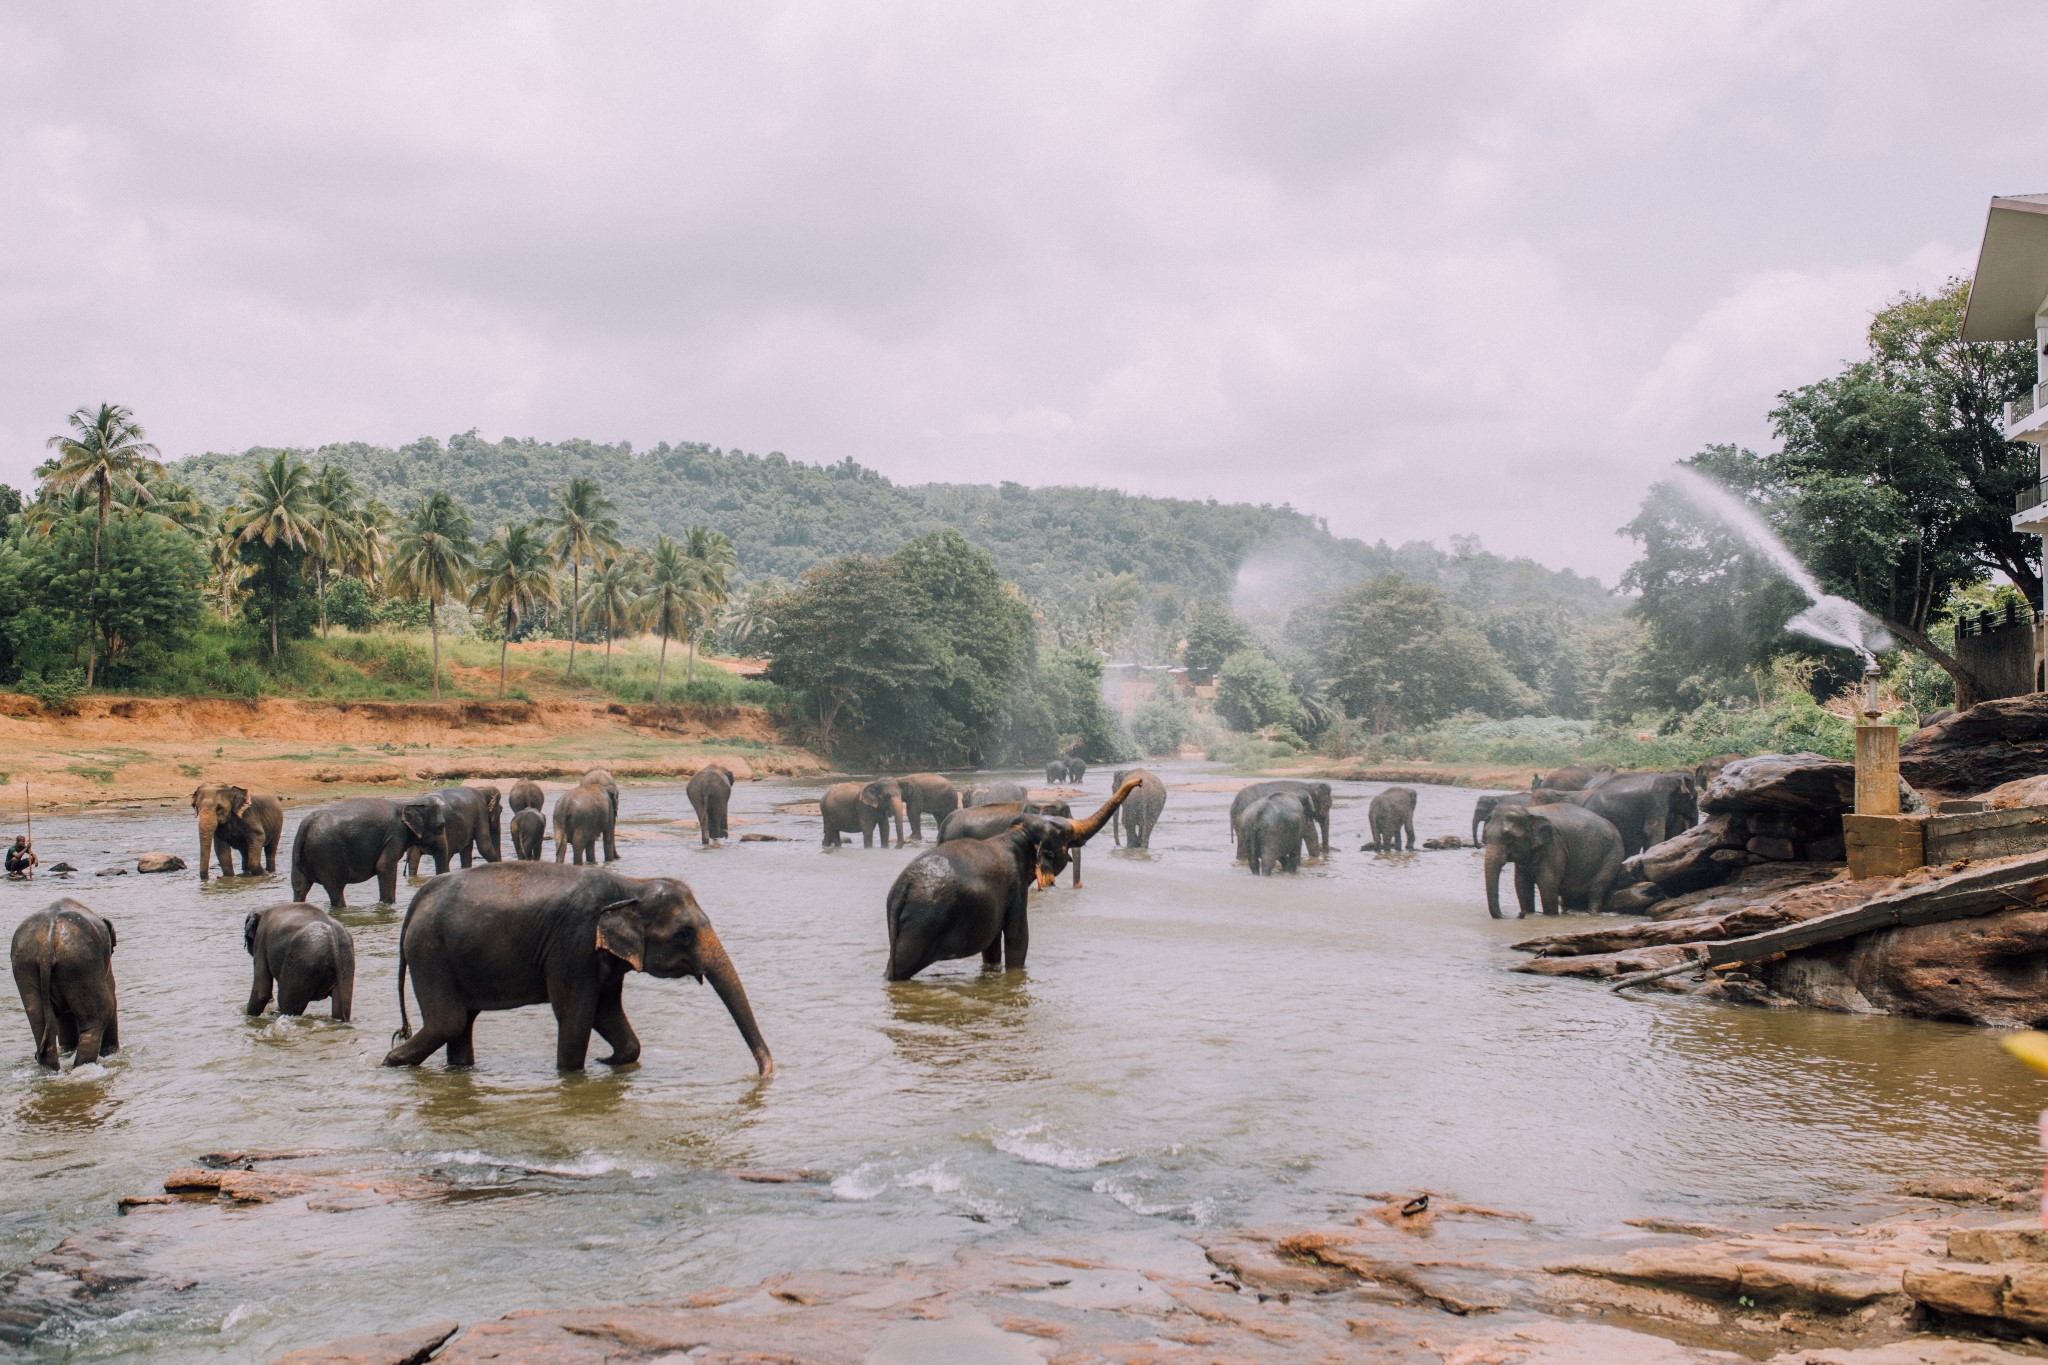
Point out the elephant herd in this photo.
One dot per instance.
(1568, 835)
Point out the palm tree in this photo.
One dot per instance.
(227, 565)
(583, 530)
(173, 504)
(748, 613)
(515, 578)
(674, 594)
(614, 586)
(106, 450)
(371, 552)
(715, 559)
(432, 560)
(278, 513)
(340, 528)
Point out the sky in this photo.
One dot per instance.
(1422, 269)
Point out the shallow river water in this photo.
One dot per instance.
(1189, 1048)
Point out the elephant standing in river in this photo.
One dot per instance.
(1316, 793)
(529, 828)
(63, 958)
(864, 808)
(1270, 832)
(584, 815)
(237, 820)
(998, 793)
(1391, 815)
(516, 934)
(1566, 852)
(986, 822)
(360, 839)
(469, 824)
(1646, 808)
(1134, 823)
(525, 795)
(710, 792)
(1577, 777)
(602, 780)
(927, 794)
(307, 953)
(1484, 807)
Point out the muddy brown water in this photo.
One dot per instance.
(1190, 1049)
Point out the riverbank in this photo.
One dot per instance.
(106, 750)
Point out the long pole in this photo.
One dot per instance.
(29, 814)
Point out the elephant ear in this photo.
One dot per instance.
(421, 817)
(249, 931)
(620, 933)
(240, 796)
(113, 940)
(195, 797)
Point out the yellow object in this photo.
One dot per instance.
(2030, 1046)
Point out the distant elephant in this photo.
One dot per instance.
(1056, 772)
(516, 934)
(710, 792)
(1483, 809)
(1703, 774)
(986, 822)
(526, 795)
(1645, 808)
(237, 820)
(600, 778)
(1270, 832)
(1392, 814)
(583, 818)
(927, 794)
(993, 794)
(63, 959)
(1566, 852)
(529, 828)
(1077, 770)
(1578, 777)
(1318, 796)
(306, 952)
(469, 824)
(1134, 823)
(360, 839)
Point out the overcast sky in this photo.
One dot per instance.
(1421, 268)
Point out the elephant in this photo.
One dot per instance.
(526, 795)
(865, 807)
(469, 822)
(63, 958)
(1392, 814)
(583, 816)
(1578, 777)
(1318, 794)
(1646, 808)
(1703, 774)
(515, 934)
(1077, 771)
(236, 820)
(1563, 850)
(1484, 807)
(529, 827)
(1271, 829)
(927, 794)
(307, 953)
(360, 839)
(1056, 772)
(993, 794)
(601, 778)
(986, 822)
(1134, 823)
(710, 792)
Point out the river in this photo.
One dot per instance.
(1189, 1048)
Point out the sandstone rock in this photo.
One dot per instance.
(1444, 841)
(2023, 1240)
(410, 1347)
(2010, 1292)
(1765, 846)
(1796, 784)
(111, 872)
(1920, 1351)
(1991, 744)
(1685, 862)
(1992, 970)
(62, 867)
(159, 862)
(1635, 899)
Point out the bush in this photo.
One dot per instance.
(1253, 692)
(1161, 724)
(351, 605)
(58, 691)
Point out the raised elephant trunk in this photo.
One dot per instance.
(1496, 859)
(1084, 830)
(725, 979)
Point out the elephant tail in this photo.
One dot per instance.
(404, 1019)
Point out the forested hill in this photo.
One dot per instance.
(783, 516)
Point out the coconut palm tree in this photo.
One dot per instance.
(672, 600)
(278, 513)
(432, 560)
(583, 529)
(515, 578)
(376, 524)
(340, 529)
(748, 612)
(715, 561)
(172, 504)
(106, 450)
(614, 587)
(228, 569)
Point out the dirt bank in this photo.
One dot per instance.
(122, 749)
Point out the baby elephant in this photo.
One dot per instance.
(64, 969)
(529, 826)
(306, 952)
(1392, 814)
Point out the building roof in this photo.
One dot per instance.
(2011, 282)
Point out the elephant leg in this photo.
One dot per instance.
(67, 1031)
(1551, 883)
(387, 884)
(270, 853)
(443, 1023)
(337, 893)
(292, 997)
(259, 989)
(466, 848)
(613, 1026)
(1077, 869)
(1525, 890)
(575, 1015)
(1016, 934)
(90, 1044)
(462, 1047)
(443, 860)
(302, 885)
(867, 836)
(412, 862)
(992, 956)
(611, 844)
(110, 1033)
(342, 1001)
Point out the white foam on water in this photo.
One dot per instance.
(1026, 1144)
(591, 1165)
(934, 1177)
(240, 1312)
(1198, 1212)
(862, 1183)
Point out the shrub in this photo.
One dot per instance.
(351, 605)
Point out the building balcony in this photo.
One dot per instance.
(2032, 503)
(2026, 419)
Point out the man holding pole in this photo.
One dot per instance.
(21, 859)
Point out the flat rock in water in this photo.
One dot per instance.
(764, 838)
(111, 872)
(1445, 841)
(159, 862)
(63, 867)
(408, 1347)
(1991, 744)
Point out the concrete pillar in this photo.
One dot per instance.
(1877, 769)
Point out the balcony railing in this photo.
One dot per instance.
(2022, 408)
(2033, 495)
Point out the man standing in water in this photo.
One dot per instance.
(21, 859)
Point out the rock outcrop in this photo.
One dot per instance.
(159, 862)
(1992, 743)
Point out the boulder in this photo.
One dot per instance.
(111, 872)
(1992, 743)
(1991, 971)
(159, 862)
(1786, 784)
(1686, 861)
(63, 867)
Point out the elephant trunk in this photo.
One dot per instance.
(1496, 859)
(725, 979)
(206, 829)
(1084, 830)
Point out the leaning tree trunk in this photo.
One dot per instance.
(434, 632)
(92, 625)
(575, 599)
(320, 582)
(504, 643)
(273, 605)
(661, 668)
(690, 668)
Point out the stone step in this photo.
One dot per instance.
(2023, 1239)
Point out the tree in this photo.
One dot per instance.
(584, 529)
(1162, 722)
(671, 599)
(1213, 635)
(106, 450)
(340, 540)
(746, 616)
(278, 517)
(1399, 653)
(513, 578)
(614, 588)
(1253, 692)
(982, 645)
(846, 637)
(715, 561)
(432, 561)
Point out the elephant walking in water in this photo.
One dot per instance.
(360, 839)
(307, 954)
(529, 827)
(710, 792)
(237, 820)
(1565, 852)
(63, 959)
(1647, 808)
(1318, 797)
(1271, 830)
(927, 794)
(1391, 815)
(863, 808)
(1134, 823)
